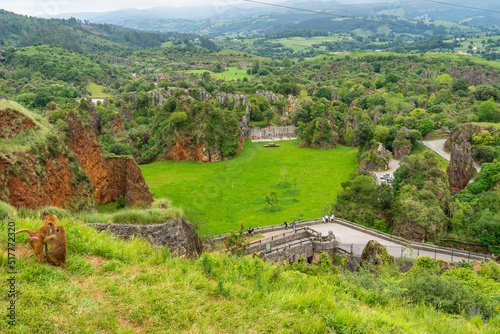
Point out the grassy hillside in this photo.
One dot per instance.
(208, 194)
(114, 286)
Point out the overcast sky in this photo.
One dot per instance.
(53, 7)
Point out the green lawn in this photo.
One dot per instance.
(207, 195)
(233, 73)
(97, 90)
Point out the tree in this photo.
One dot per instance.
(364, 133)
(426, 125)
(488, 112)
(325, 92)
(272, 199)
(283, 173)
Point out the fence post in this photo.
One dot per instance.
(352, 253)
(451, 256)
(468, 261)
(418, 253)
(435, 250)
(401, 251)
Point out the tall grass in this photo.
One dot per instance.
(116, 286)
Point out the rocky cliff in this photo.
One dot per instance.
(460, 168)
(111, 177)
(36, 168)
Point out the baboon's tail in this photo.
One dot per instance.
(30, 232)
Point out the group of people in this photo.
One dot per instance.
(328, 219)
(294, 225)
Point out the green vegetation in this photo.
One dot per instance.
(128, 286)
(220, 195)
(96, 90)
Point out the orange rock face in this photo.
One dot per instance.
(29, 190)
(184, 149)
(35, 178)
(111, 177)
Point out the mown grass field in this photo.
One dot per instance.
(116, 286)
(232, 74)
(97, 90)
(222, 194)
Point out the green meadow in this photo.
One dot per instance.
(221, 195)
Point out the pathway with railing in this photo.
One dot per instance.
(351, 238)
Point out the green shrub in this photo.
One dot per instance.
(120, 203)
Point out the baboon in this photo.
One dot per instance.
(57, 252)
(35, 238)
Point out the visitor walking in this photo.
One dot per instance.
(326, 219)
(286, 225)
(332, 217)
(293, 225)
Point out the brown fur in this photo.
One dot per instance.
(57, 252)
(35, 239)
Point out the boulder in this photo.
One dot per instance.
(375, 254)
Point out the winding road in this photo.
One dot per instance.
(437, 145)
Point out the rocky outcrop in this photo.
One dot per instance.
(111, 177)
(41, 172)
(178, 235)
(461, 167)
(402, 144)
(375, 255)
(158, 97)
(374, 157)
(465, 132)
(184, 149)
(270, 96)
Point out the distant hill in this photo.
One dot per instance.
(73, 34)
(260, 18)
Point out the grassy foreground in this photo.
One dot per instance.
(114, 286)
(222, 194)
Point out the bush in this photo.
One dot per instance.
(483, 154)
(120, 149)
(120, 203)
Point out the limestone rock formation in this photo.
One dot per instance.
(270, 96)
(402, 144)
(376, 255)
(178, 235)
(111, 177)
(461, 166)
(374, 157)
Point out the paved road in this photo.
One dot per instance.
(393, 165)
(350, 239)
(437, 145)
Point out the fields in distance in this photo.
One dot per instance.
(222, 194)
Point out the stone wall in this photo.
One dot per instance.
(273, 132)
(177, 235)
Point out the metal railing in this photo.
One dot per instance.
(411, 246)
